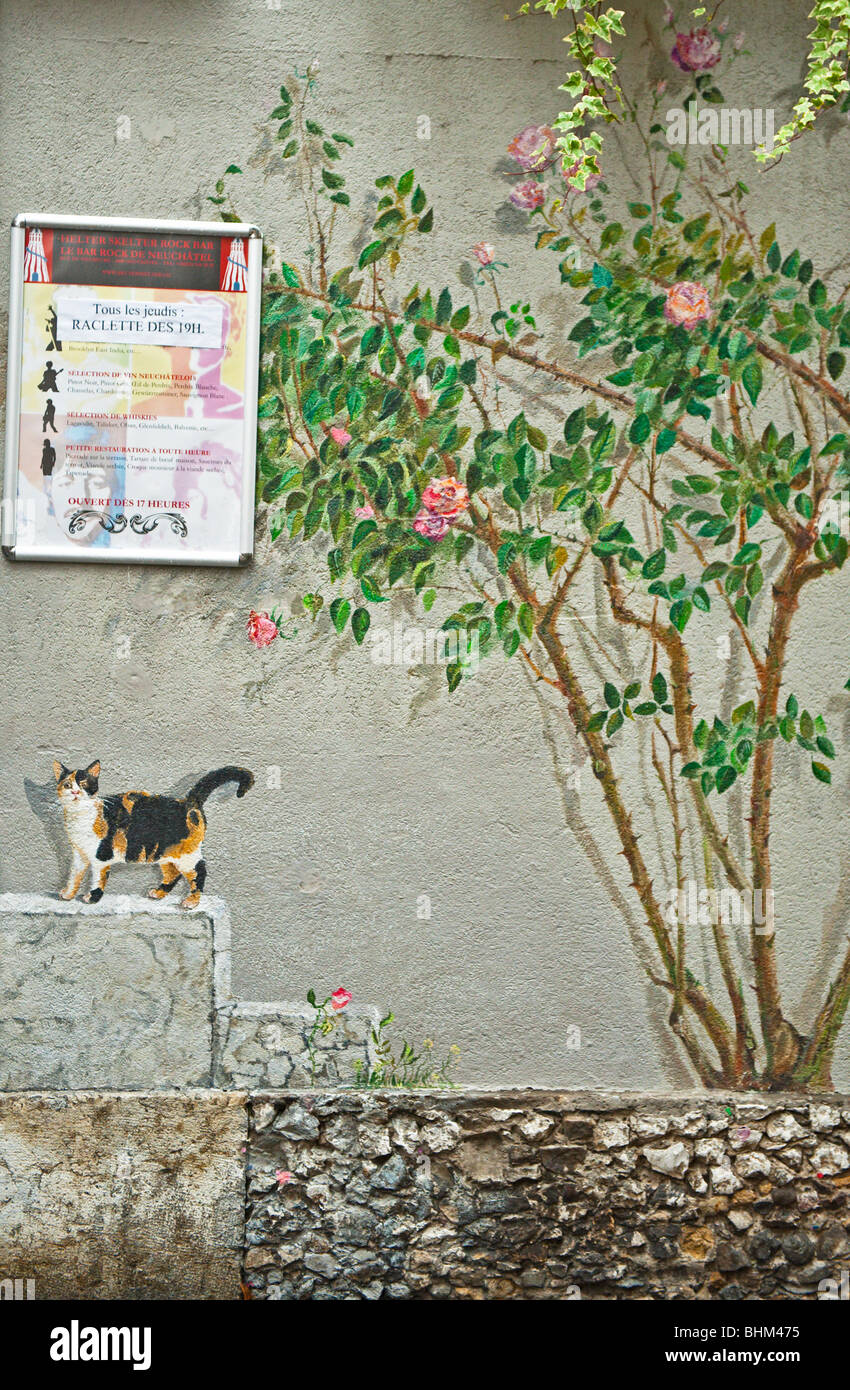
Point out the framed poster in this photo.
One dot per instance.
(132, 391)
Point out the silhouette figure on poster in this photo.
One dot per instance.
(49, 417)
(48, 458)
(49, 382)
(52, 326)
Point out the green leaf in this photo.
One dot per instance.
(680, 612)
(360, 624)
(725, 777)
(525, 620)
(835, 364)
(666, 439)
(615, 722)
(339, 611)
(648, 707)
(659, 688)
(654, 565)
(640, 429)
(612, 695)
(371, 253)
(822, 772)
(752, 380)
(596, 721)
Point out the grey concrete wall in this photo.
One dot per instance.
(389, 790)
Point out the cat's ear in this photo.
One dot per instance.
(94, 768)
(59, 770)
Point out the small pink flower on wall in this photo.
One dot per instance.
(484, 253)
(430, 525)
(340, 436)
(261, 629)
(534, 148)
(687, 304)
(283, 1177)
(339, 999)
(528, 195)
(364, 512)
(446, 497)
(697, 51)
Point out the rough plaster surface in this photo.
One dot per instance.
(120, 999)
(123, 1196)
(388, 788)
(540, 1195)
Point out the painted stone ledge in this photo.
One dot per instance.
(133, 994)
(540, 1195)
(123, 1196)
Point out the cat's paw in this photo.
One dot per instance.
(94, 896)
(191, 901)
(66, 894)
(156, 892)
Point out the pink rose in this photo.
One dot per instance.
(430, 525)
(484, 253)
(697, 51)
(533, 148)
(445, 497)
(592, 179)
(528, 195)
(340, 436)
(261, 629)
(366, 511)
(283, 1177)
(339, 999)
(687, 304)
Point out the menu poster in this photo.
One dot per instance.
(137, 359)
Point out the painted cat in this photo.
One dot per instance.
(135, 827)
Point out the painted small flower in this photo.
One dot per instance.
(590, 183)
(738, 42)
(661, 87)
(446, 496)
(528, 195)
(687, 304)
(430, 525)
(262, 630)
(534, 148)
(696, 51)
(484, 253)
(339, 999)
(283, 1177)
(668, 14)
(364, 512)
(340, 435)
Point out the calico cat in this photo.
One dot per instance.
(137, 828)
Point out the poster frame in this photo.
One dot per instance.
(127, 555)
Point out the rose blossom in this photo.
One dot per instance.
(340, 435)
(533, 148)
(446, 497)
(528, 195)
(430, 525)
(261, 629)
(367, 510)
(687, 304)
(697, 51)
(340, 998)
(484, 253)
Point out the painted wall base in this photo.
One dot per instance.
(133, 994)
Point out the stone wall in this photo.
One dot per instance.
(540, 1195)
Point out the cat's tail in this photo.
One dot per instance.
(201, 790)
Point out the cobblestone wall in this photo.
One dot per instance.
(541, 1195)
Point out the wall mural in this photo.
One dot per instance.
(699, 467)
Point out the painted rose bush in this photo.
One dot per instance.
(674, 484)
